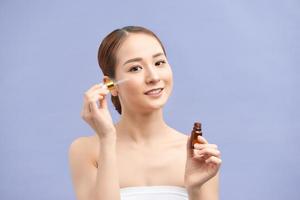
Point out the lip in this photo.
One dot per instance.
(154, 89)
(156, 95)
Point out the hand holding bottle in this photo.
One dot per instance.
(203, 160)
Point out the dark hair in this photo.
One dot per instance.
(108, 49)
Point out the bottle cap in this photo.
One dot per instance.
(109, 83)
(195, 133)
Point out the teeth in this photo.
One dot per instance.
(154, 91)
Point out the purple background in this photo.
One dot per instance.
(236, 69)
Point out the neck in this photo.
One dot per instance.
(142, 128)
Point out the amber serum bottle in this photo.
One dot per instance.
(197, 130)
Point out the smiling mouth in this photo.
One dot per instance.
(154, 91)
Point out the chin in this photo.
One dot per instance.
(147, 110)
(156, 104)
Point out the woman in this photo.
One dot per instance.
(140, 157)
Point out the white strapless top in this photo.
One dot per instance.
(159, 192)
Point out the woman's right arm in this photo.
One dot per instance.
(89, 182)
(93, 183)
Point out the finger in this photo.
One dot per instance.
(201, 146)
(86, 107)
(201, 157)
(94, 107)
(87, 100)
(102, 85)
(189, 147)
(95, 86)
(87, 94)
(101, 88)
(214, 160)
(100, 100)
(101, 97)
(208, 152)
(98, 90)
(202, 140)
(96, 95)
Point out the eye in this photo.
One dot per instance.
(159, 63)
(135, 68)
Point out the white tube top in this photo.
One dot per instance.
(159, 192)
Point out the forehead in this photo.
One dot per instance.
(138, 45)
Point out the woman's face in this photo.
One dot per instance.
(140, 58)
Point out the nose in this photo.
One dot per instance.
(152, 76)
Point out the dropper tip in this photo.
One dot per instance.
(121, 81)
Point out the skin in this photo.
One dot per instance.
(141, 134)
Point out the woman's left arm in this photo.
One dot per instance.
(210, 189)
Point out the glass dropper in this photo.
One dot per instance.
(110, 83)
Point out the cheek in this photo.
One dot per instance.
(168, 78)
(130, 88)
(167, 75)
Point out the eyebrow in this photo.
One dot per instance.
(139, 59)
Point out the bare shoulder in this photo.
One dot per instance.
(83, 147)
(82, 143)
(180, 135)
(180, 138)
